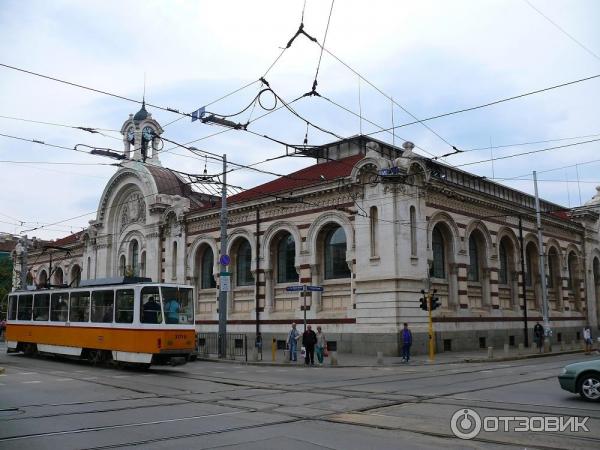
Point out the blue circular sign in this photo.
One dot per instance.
(225, 260)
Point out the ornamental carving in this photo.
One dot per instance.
(134, 211)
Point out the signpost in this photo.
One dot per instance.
(302, 289)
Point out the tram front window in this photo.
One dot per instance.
(150, 310)
(25, 307)
(12, 307)
(178, 305)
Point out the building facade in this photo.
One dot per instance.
(372, 241)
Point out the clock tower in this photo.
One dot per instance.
(141, 137)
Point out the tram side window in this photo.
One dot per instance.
(103, 306)
(80, 307)
(150, 310)
(124, 306)
(59, 307)
(12, 307)
(41, 307)
(25, 307)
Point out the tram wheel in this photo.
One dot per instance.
(30, 349)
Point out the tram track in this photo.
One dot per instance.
(179, 394)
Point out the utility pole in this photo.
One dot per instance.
(542, 263)
(23, 258)
(223, 267)
(523, 286)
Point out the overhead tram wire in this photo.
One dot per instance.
(550, 170)
(389, 97)
(492, 103)
(521, 144)
(314, 86)
(562, 30)
(528, 153)
(93, 130)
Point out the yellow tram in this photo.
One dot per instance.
(129, 320)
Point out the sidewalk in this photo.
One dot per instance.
(353, 360)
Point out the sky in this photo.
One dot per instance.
(431, 57)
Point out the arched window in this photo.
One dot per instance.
(573, 275)
(134, 257)
(207, 281)
(243, 264)
(143, 265)
(286, 260)
(58, 276)
(373, 228)
(473, 273)
(75, 276)
(122, 263)
(43, 278)
(413, 231)
(528, 269)
(438, 268)
(335, 254)
(174, 261)
(503, 273)
(552, 256)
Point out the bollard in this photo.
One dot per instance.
(547, 346)
(490, 352)
(273, 349)
(521, 348)
(333, 358)
(380, 358)
(506, 349)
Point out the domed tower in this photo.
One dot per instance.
(141, 137)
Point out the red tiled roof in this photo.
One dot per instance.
(302, 178)
(8, 246)
(71, 239)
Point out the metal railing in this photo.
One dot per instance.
(236, 345)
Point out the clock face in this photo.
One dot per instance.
(130, 135)
(148, 133)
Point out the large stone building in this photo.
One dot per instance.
(373, 242)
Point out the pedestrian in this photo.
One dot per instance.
(538, 335)
(321, 345)
(309, 340)
(406, 343)
(587, 338)
(292, 342)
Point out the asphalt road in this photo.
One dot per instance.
(60, 404)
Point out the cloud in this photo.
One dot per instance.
(431, 56)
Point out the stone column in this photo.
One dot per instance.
(463, 298)
(491, 274)
(269, 291)
(315, 280)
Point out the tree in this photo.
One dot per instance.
(6, 270)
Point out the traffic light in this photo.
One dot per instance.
(435, 303)
(423, 301)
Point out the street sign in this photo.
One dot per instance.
(225, 281)
(225, 260)
(294, 288)
(314, 288)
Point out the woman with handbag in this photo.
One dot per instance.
(321, 346)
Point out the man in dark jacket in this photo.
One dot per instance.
(406, 343)
(538, 335)
(309, 339)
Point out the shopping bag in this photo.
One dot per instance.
(325, 353)
(303, 352)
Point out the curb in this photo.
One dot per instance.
(423, 363)
(519, 357)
